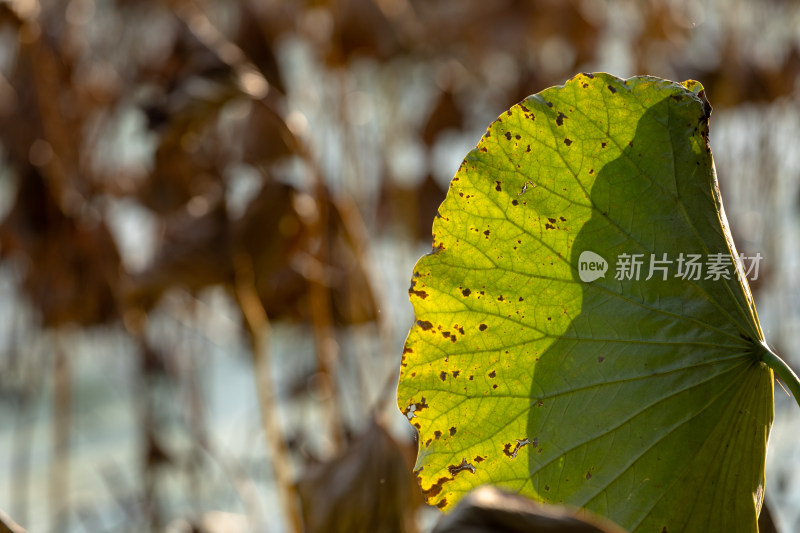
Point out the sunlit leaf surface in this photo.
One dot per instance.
(540, 362)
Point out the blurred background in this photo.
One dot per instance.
(210, 211)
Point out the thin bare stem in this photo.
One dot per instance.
(59, 479)
(259, 330)
(22, 443)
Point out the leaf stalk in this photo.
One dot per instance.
(783, 371)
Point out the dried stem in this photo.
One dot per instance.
(135, 321)
(59, 479)
(22, 443)
(322, 319)
(259, 331)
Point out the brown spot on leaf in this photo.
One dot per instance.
(442, 504)
(513, 453)
(466, 292)
(706, 105)
(508, 135)
(549, 226)
(437, 434)
(424, 324)
(588, 475)
(560, 118)
(452, 431)
(483, 327)
(417, 407)
(455, 469)
(436, 488)
(421, 294)
(497, 186)
(443, 375)
(603, 144)
(494, 386)
(514, 202)
(601, 359)
(492, 374)
(612, 89)
(567, 141)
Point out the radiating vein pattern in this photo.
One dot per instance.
(638, 398)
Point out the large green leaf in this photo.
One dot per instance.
(644, 400)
